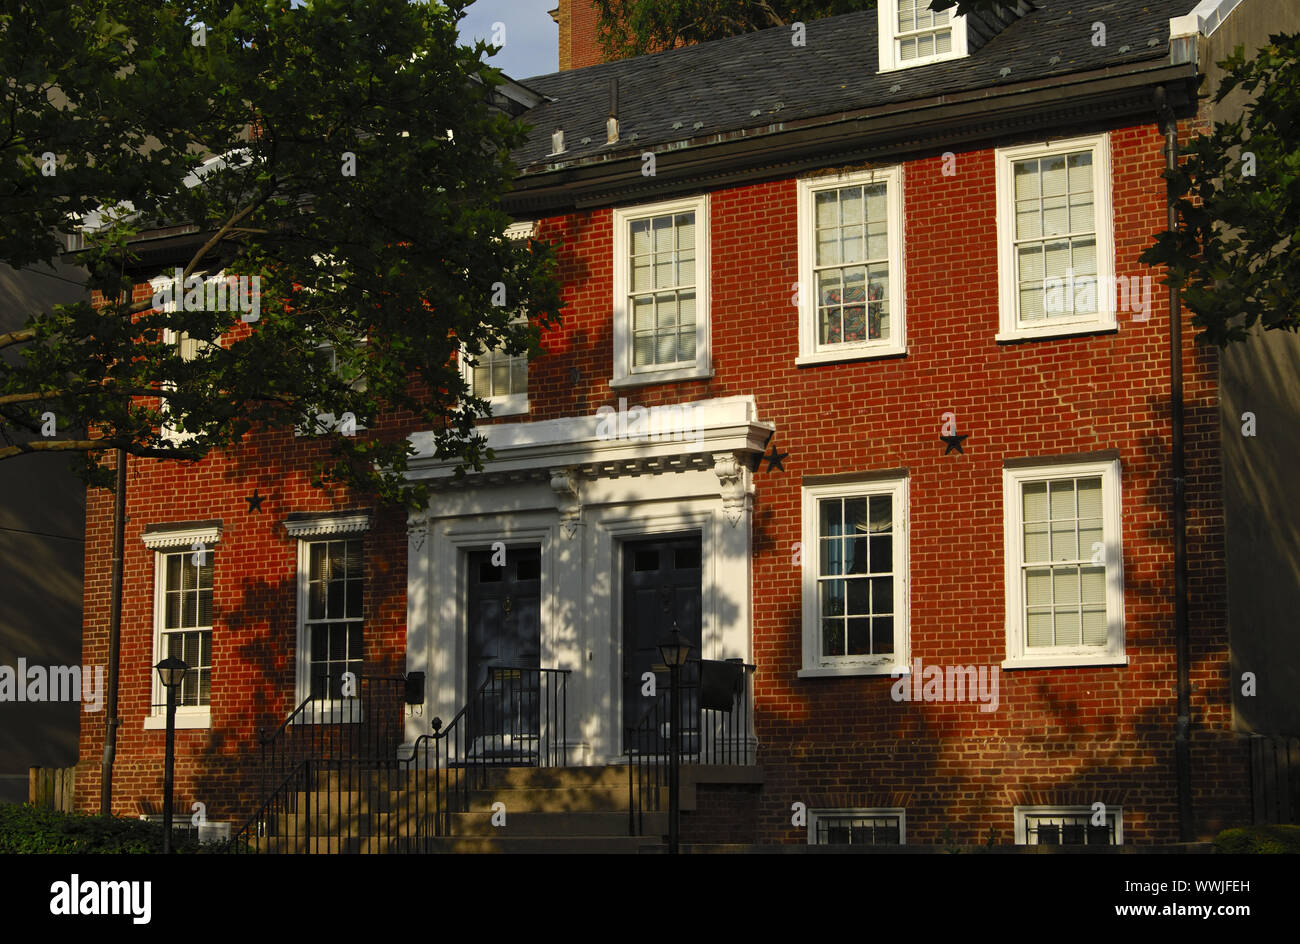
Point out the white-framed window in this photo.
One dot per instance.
(184, 578)
(331, 608)
(1069, 826)
(851, 266)
(1056, 253)
(349, 372)
(911, 34)
(884, 826)
(492, 374)
(661, 293)
(855, 577)
(498, 377)
(187, 348)
(1064, 564)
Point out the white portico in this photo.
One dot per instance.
(573, 497)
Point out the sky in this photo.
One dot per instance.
(531, 37)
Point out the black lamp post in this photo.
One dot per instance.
(674, 650)
(171, 672)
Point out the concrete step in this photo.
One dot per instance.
(567, 825)
(597, 799)
(478, 845)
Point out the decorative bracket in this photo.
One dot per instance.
(417, 528)
(565, 484)
(737, 486)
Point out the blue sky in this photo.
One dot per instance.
(531, 35)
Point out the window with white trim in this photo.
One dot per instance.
(1056, 256)
(492, 374)
(351, 372)
(911, 34)
(1064, 565)
(855, 561)
(851, 266)
(857, 827)
(184, 570)
(661, 292)
(183, 623)
(498, 377)
(331, 603)
(1069, 826)
(187, 348)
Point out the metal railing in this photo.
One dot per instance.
(709, 734)
(334, 779)
(517, 718)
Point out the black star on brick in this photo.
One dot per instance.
(954, 442)
(255, 501)
(774, 459)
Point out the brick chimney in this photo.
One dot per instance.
(578, 44)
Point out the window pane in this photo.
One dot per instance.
(882, 635)
(832, 637)
(1039, 628)
(859, 637)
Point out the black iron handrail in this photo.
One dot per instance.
(517, 718)
(341, 784)
(706, 736)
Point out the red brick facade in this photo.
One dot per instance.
(579, 45)
(1061, 736)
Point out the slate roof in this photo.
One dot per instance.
(720, 85)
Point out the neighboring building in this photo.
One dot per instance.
(836, 392)
(42, 533)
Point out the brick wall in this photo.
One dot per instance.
(1060, 736)
(579, 46)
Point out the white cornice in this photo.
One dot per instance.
(723, 425)
(320, 527)
(183, 537)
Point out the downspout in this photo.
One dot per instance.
(111, 721)
(1183, 725)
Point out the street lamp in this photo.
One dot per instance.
(674, 650)
(171, 672)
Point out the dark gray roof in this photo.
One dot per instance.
(758, 79)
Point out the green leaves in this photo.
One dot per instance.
(404, 253)
(1235, 253)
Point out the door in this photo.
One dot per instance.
(661, 583)
(504, 644)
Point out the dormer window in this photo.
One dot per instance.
(911, 34)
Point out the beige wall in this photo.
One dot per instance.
(42, 534)
(1261, 376)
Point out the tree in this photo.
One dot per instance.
(1235, 253)
(636, 27)
(341, 157)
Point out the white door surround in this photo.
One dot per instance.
(580, 496)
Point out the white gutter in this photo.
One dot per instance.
(1205, 18)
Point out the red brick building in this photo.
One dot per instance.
(859, 380)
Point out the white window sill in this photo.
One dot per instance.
(507, 406)
(325, 424)
(847, 671)
(849, 354)
(1058, 330)
(927, 61)
(184, 719)
(647, 378)
(1065, 661)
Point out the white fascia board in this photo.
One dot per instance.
(725, 424)
(1205, 18)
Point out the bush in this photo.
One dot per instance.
(1259, 840)
(33, 829)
